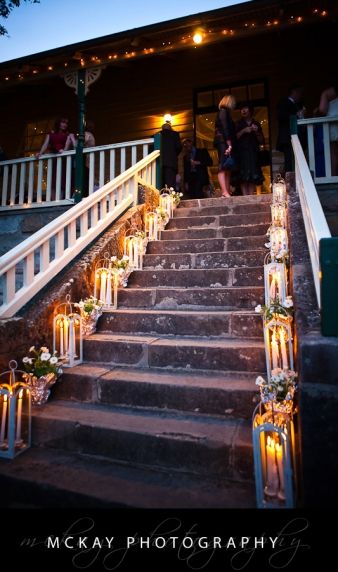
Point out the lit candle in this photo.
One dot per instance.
(130, 252)
(150, 227)
(273, 286)
(65, 336)
(108, 293)
(3, 420)
(156, 221)
(279, 455)
(61, 337)
(282, 339)
(103, 286)
(136, 253)
(71, 347)
(116, 281)
(19, 415)
(274, 350)
(271, 488)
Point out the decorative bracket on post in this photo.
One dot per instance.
(91, 76)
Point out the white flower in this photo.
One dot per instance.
(43, 349)
(113, 258)
(288, 303)
(260, 380)
(267, 244)
(71, 280)
(45, 356)
(31, 349)
(27, 360)
(258, 309)
(53, 359)
(125, 257)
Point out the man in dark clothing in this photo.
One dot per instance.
(171, 147)
(196, 162)
(287, 107)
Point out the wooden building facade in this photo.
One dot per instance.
(254, 50)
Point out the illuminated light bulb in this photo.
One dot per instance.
(197, 38)
(167, 117)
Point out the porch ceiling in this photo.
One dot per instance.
(165, 38)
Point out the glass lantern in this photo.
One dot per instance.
(279, 214)
(67, 334)
(134, 248)
(275, 281)
(153, 227)
(279, 190)
(106, 280)
(167, 201)
(278, 343)
(15, 413)
(278, 241)
(274, 458)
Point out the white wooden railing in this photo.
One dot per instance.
(319, 148)
(314, 219)
(34, 262)
(31, 182)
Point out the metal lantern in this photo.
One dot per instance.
(274, 458)
(15, 413)
(153, 227)
(279, 214)
(167, 201)
(106, 282)
(275, 281)
(133, 248)
(279, 241)
(279, 190)
(67, 334)
(278, 343)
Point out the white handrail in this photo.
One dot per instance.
(319, 147)
(32, 181)
(52, 247)
(314, 219)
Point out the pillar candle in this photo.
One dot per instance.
(19, 415)
(271, 488)
(274, 350)
(3, 420)
(103, 286)
(109, 286)
(284, 354)
(279, 456)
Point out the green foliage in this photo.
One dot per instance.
(7, 6)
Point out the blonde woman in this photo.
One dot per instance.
(225, 139)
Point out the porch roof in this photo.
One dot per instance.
(164, 38)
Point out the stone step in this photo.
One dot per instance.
(206, 245)
(193, 443)
(219, 210)
(231, 394)
(210, 278)
(202, 221)
(204, 260)
(223, 354)
(231, 201)
(182, 323)
(241, 297)
(212, 232)
(44, 478)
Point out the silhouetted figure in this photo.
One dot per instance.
(287, 107)
(195, 163)
(171, 147)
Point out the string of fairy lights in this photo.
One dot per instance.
(196, 38)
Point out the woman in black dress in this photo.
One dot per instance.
(225, 140)
(249, 138)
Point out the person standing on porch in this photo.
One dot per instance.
(171, 147)
(287, 107)
(250, 137)
(328, 106)
(225, 140)
(195, 165)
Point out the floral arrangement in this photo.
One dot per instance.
(281, 386)
(162, 213)
(276, 307)
(120, 263)
(41, 362)
(89, 305)
(140, 234)
(282, 255)
(176, 196)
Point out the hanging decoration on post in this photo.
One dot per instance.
(15, 412)
(67, 334)
(274, 458)
(106, 281)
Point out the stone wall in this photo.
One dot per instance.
(317, 366)
(33, 324)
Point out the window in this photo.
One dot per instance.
(34, 136)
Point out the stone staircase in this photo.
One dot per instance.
(160, 413)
